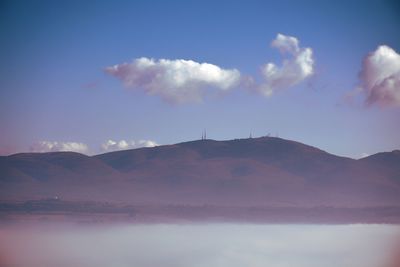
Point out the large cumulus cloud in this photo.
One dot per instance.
(182, 81)
(380, 77)
(176, 81)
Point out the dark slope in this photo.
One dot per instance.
(387, 164)
(52, 166)
(43, 175)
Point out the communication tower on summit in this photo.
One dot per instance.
(204, 135)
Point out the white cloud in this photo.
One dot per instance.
(286, 44)
(380, 77)
(112, 145)
(54, 146)
(296, 68)
(176, 81)
(146, 143)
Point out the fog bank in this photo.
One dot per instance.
(200, 245)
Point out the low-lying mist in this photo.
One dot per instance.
(199, 245)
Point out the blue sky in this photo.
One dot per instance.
(54, 87)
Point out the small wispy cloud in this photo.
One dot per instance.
(107, 146)
(55, 146)
(111, 145)
(296, 67)
(380, 77)
(175, 81)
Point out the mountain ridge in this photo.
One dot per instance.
(252, 171)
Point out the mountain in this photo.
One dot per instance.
(265, 171)
(386, 163)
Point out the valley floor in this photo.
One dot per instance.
(98, 212)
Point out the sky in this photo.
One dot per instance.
(98, 76)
